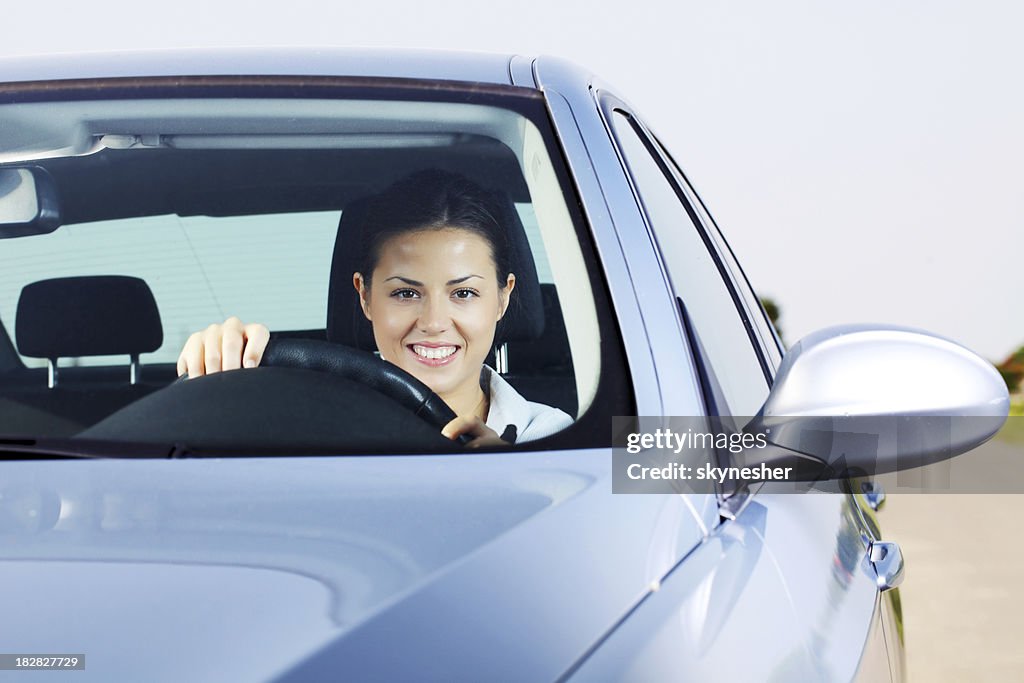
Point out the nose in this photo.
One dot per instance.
(435, 317)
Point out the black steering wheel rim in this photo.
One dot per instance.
(363, 367)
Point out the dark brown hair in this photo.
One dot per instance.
(434, 200)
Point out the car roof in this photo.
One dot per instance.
(270, 61)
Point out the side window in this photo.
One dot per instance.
(733, 375)
(769, 337)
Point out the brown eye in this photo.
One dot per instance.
(465, 293)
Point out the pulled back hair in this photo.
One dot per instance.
(434, 200)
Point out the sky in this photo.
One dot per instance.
(863, 159)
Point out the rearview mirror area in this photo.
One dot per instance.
(877, 399)
(28, 202)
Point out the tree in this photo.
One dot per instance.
(774, 313)
(1012, 370)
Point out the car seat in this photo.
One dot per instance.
(74, 317)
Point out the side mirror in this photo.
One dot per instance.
(878, 399)
(28, 202)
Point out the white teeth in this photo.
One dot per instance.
(433, 352)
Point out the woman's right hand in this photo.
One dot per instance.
(228, 346)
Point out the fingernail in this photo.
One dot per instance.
(249, 363)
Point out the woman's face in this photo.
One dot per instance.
(434, 304)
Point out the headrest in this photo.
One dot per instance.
(552, 354)
(87, 316)
(346, 324)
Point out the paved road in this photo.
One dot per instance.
(963, 596)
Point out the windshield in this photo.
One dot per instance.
(178, 213)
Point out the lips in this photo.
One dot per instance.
(434, 354)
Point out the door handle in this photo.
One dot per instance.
(887, 559)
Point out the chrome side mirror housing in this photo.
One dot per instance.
(876, 399)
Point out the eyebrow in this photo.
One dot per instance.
(417, 283)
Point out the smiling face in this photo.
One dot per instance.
(434, 304)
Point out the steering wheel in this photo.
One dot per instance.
(306, 396)
(365, 368)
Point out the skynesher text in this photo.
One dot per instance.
(677, 471)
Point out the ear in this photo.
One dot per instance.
(505, 295)
(364, 293)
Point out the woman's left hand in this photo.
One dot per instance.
(475, 427)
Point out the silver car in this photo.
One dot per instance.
(306, 519)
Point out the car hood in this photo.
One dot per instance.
(253, 568)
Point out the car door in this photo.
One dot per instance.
(790, 567)
(701, 607)
(833, 611)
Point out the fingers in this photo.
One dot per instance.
(463, 425)
(256, 338)
(211, 348)
(483, 441)
(474, 426)
(191, 358)
(183, 357)
(227, 346)
(231, 344)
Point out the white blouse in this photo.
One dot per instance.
(508, 407)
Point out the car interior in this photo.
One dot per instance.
(91, 322)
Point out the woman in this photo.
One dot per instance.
(434, 280)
